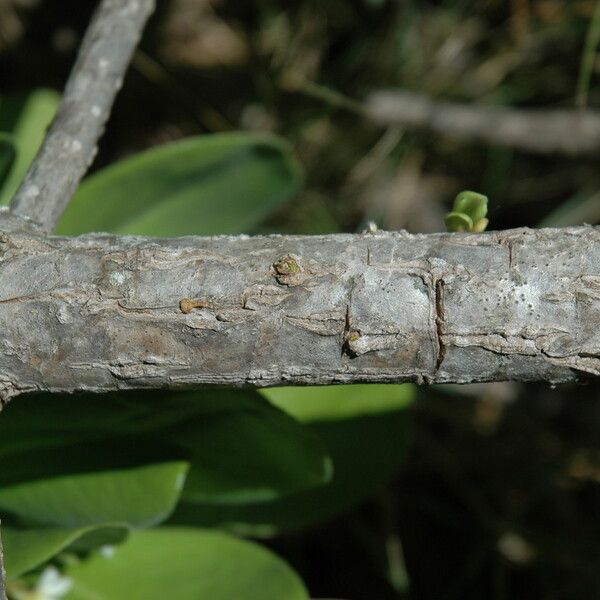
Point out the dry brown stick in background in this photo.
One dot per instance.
(567, 132)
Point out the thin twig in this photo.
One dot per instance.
(71, 142)
(568, 132)
(541, 131)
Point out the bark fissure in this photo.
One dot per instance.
(439, 323)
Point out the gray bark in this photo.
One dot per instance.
(102, 313)
(569, 132)
(71, 142)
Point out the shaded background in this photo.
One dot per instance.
(499, 494)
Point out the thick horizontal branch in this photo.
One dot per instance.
(569, 132)
(71, 142)
(100, 312)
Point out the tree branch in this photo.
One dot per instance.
(566, 132)
(102, 313)
(71, 142)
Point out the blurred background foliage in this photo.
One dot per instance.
(485, 491)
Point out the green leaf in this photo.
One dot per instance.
(185, 564)
(211, 184)
(137, 497)
(8, 154)
(365, 428)
(94, 468)
(339, 402)
(37, 422)
(240, 447)
(251, 456)
(28, 120)
(472, 204)
(468, 213)
(26, 549)
(456, 221)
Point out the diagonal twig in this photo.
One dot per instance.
(71, 142)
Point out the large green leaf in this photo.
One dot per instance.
(241, 448)
(251, 456)
(94, 468)
(185, 564)
(26, 549)
(137, 497)
(42, 421)
(27, 119)
(340, 402)
(211, 184)
(365, 429)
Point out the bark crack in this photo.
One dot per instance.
(439, 323)
(348, 336)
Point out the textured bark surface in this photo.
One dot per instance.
(100, 312)
(70, 145)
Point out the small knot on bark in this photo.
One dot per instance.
(186, 305)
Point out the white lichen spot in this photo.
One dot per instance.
(32, 191)
(118, 83)
(96, 111)
(103, 64)
(51, 585)
(117, 278)
(71, 144)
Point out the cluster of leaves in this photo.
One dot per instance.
(84, 478)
